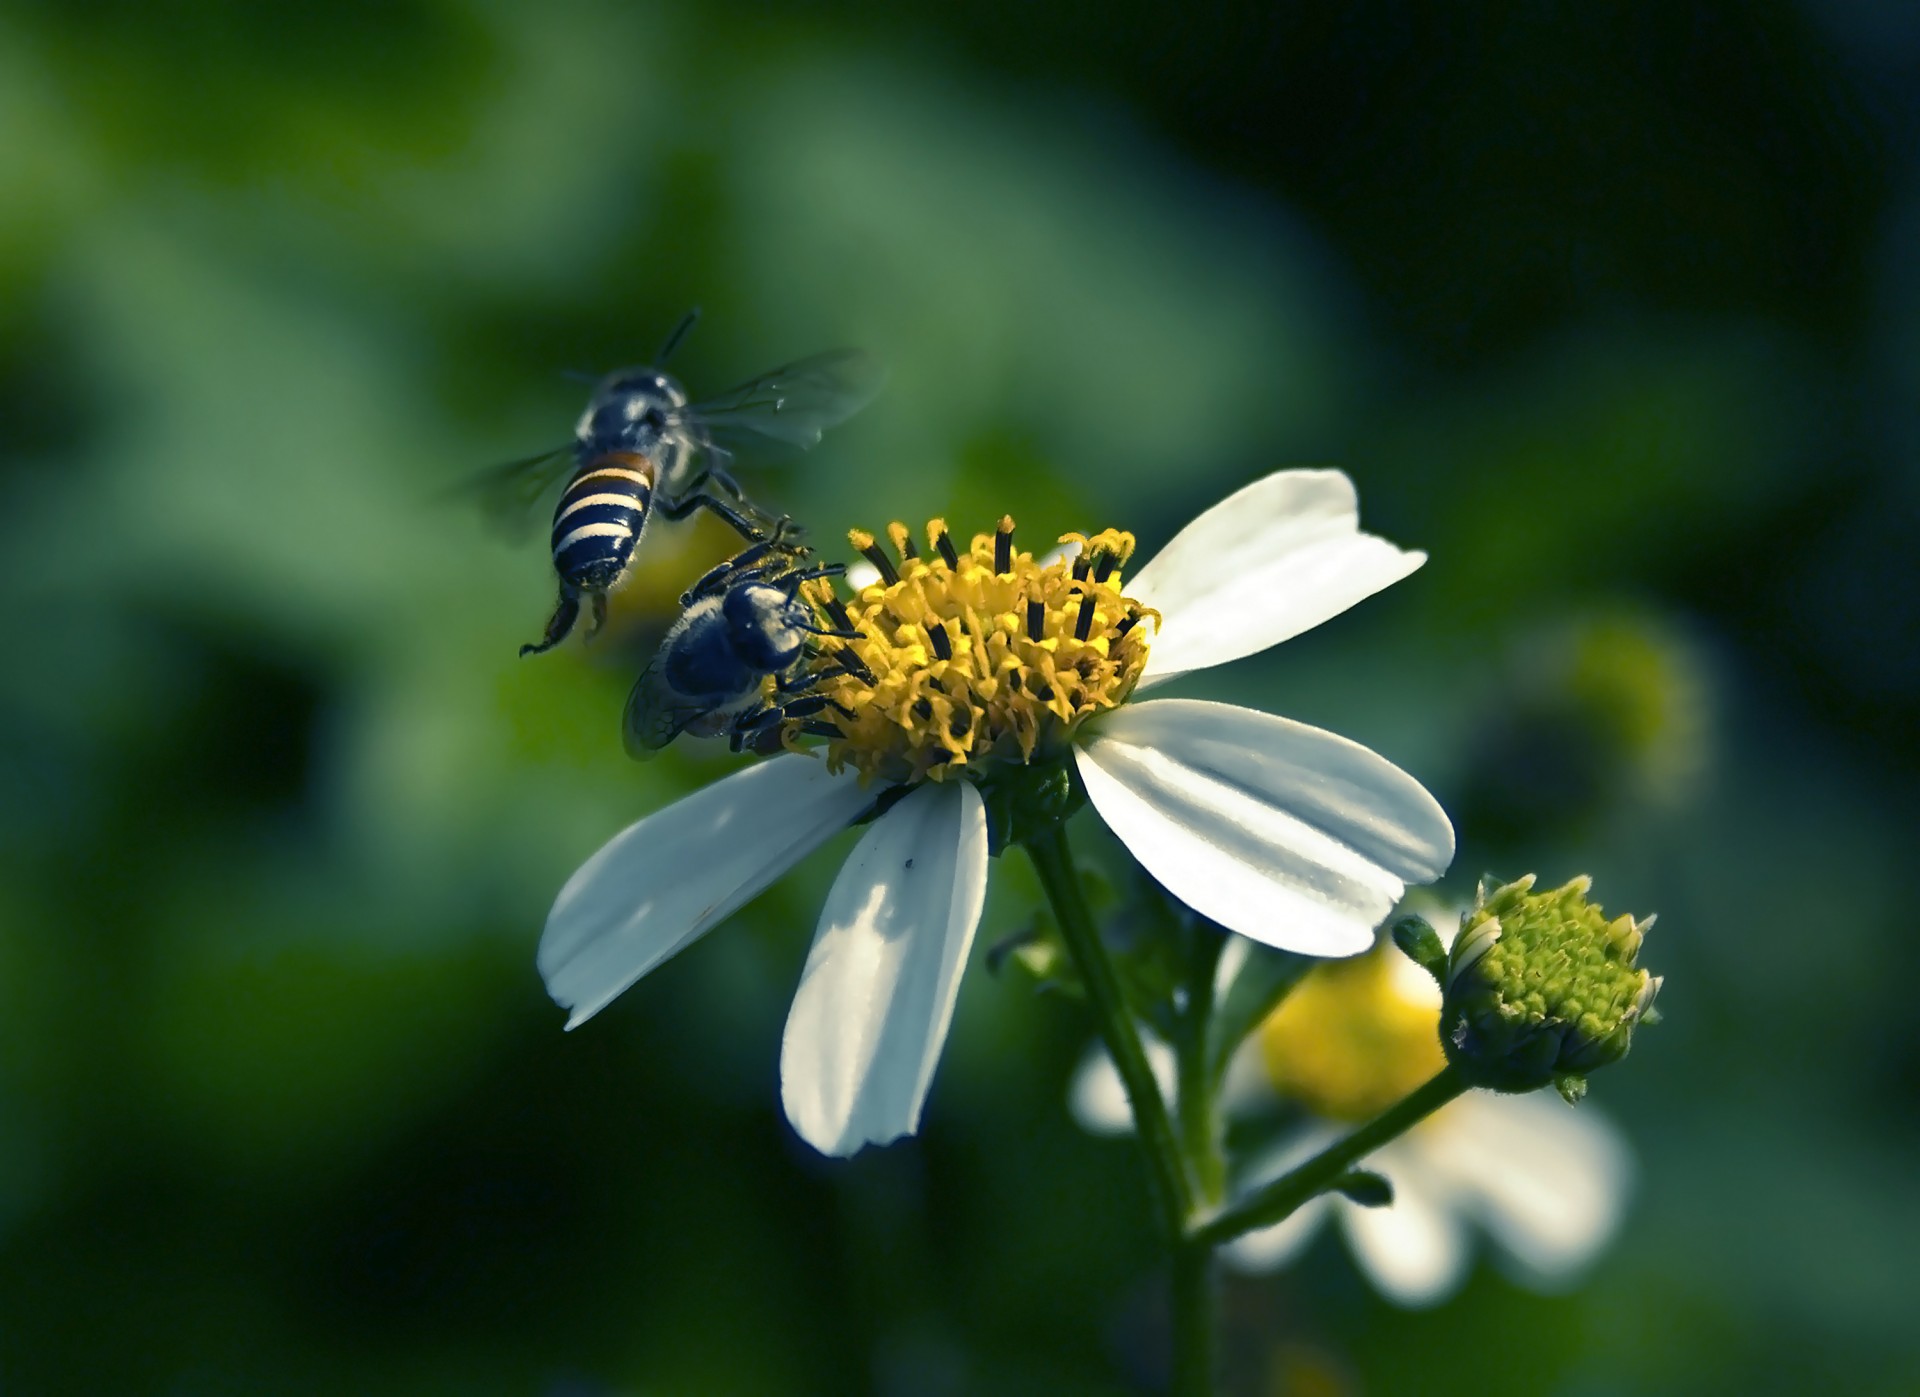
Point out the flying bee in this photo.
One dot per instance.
(642, 445)
(741, 623)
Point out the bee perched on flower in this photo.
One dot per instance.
(988, 693)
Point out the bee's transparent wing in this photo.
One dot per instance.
(506, 494)
(655, 714)
(796, 402)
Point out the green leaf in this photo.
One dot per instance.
(1363, 1186)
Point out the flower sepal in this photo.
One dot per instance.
(1025, 801)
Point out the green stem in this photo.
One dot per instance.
(1053, 861)
(1193, 1320)
(1280, 1198)
(1194, 1102)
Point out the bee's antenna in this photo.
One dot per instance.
(673, 340)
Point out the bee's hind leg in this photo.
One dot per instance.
(561, 622)
(598, 601)
(754, 525)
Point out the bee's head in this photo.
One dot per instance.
(631, 409)
(766, 628)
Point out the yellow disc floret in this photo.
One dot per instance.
(1355, 1036)
(969, 658)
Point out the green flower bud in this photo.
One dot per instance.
(1541, 988)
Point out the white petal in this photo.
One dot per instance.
(660, 884)
(861, 575)
(1270, 1248)
(1260, 567)
(1273, 829)
(1549, 1181)
(1098, 1097)
(1414, 1249)
(875, 999)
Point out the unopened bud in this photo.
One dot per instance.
(1541, 988)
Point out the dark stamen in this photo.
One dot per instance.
(902, 541)
(1081, 567)
(1126, 625)
(1003, 545)
(937, 638)
(922, 709)
(837, 613)
(854, 665)
(961, 723)
(877, 556)
(1036, 620)
(1083, 623)
(871, 550)
(1103, 565)
(944, 542)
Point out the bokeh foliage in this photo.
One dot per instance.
(1612, 310)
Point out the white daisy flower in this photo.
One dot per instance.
(977, 661)
(1547, 1183)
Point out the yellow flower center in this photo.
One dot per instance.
(974, 657)
(1354, 1036)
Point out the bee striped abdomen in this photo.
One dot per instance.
(598, 519)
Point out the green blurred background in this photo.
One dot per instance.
(1612, 309)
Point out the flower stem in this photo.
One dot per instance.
(1193, 1320)
(1285, 1194)
(1197, 1113)
(1173, 1196)
(1195, 1105)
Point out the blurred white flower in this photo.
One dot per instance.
(1548, 1183)
(1269, 827)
